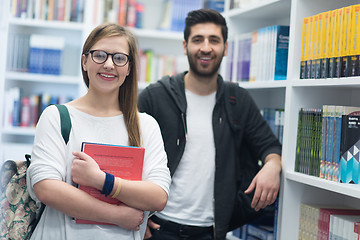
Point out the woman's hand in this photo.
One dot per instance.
(131, 218)
(86, 172)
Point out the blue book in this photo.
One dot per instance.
(281, 52)
(217, 5)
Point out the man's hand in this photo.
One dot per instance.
(152, 225)
(266, 183)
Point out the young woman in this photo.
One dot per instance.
(108, 114)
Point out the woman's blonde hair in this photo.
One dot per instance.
(128, 94)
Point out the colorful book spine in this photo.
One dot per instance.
(349, 148)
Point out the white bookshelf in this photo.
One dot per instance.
(297, 188)
(292, 94)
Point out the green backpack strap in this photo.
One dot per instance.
(65, 122)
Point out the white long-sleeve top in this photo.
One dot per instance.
(52, 159)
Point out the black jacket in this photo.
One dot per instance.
(166, 102)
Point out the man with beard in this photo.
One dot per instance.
(200, 145)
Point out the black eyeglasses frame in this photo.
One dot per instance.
(107, 56)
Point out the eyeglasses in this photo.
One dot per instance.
(119, 59)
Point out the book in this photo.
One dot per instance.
(345, 42)
(46, 54)
(279, 67)
(349, 149)
(340, 111)
(324, 44)
(309, 46)
(303, 57)
(122, 161)
(354, 49)
(317, 47)
(333, 43)
(338, 39)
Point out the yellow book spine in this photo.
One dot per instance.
(346, 31)
(324, 42)
(308, 44)
(345, 45)
(332, 43)
(303, 57)
(339, 31)
(317, 49)
(354, 49)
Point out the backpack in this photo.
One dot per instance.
(18, 211)
(243, 213)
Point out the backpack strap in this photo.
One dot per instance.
(65, 122)
(232, 106)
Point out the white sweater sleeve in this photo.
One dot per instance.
(155, 161)
(49, 150)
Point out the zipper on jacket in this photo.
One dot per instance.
(214, 232)
(183, 120)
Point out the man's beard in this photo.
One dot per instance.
(203, 73)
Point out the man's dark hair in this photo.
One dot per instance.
(205, 16)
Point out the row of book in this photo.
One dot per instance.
(330, 48)
(258, 56)
(166, 14)
(154, 66)
(42, 54)
(24, 111)
(243, 3)
(131, 13)
(35, 53)
(328, 143)
(124, 12)
(275, 119)
(325, 223)
(50, 10)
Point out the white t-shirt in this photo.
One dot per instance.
(192, 189)
(52, 159)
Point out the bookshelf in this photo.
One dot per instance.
(290, 94)
(311, 93)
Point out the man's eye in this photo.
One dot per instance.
(215, 40)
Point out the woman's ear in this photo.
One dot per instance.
(83, 62)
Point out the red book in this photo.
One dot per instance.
(122, 12)
(121, 161)
(357, 227)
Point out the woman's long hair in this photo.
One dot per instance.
(128, 94)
